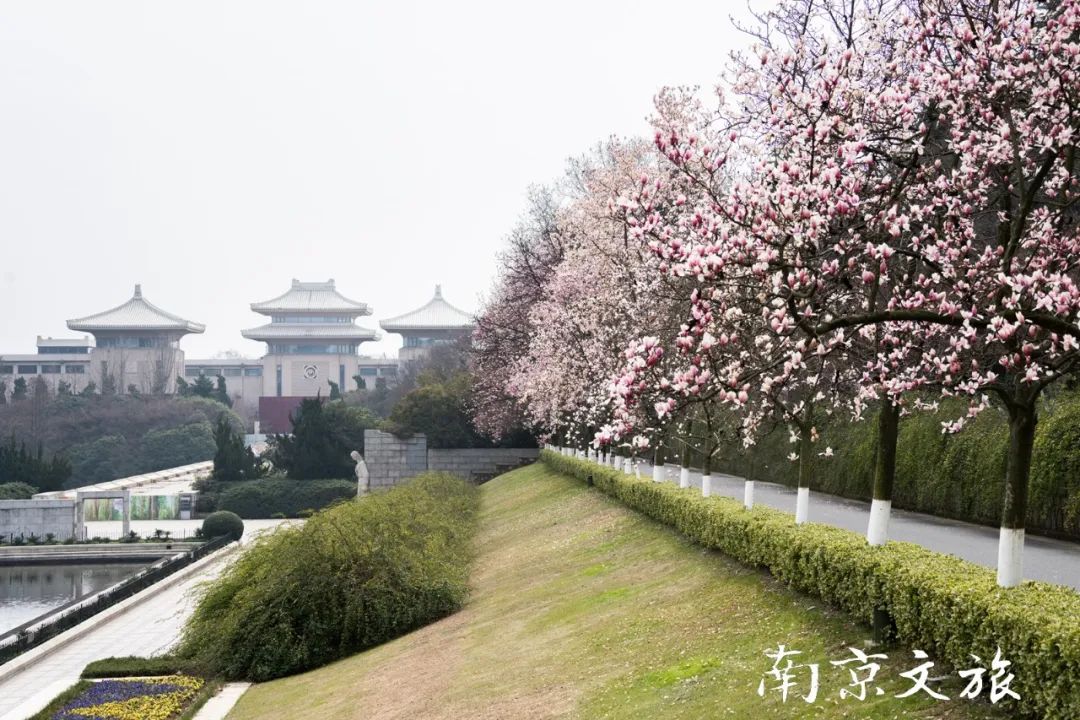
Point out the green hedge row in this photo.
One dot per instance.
(272, 496)
(351, 577)
(131, 666)
(959, 476)
(940, 604)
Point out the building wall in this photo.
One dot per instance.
(479, 464)
(137, 366)
(392, 460)
(38, 517)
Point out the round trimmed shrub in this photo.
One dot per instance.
(221, 523)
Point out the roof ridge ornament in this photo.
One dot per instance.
(138, 290)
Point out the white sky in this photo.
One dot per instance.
(214, 150)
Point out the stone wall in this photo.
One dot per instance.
(38, 517)
(480, 465)
(391, 460)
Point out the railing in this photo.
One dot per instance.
(44, 627)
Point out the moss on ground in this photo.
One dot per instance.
(583, 609)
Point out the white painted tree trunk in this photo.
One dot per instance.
(706, 485)
(748, 495)
(637, 469)
(802, 506)
(877, 533)
(1010, 564)
(658, 473)
(684, 478)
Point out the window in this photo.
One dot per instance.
(279, 381)
(253, 372)
(75, 369)
(28, 369)
(50, 369)
(311, 319)
(311, 349)
(369, 371)
(192, 372)
(392, 371)
(212, 372)
(7, 369)
(80, 350)
(233, 372)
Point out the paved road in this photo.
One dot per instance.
(1046, 559)
(149, 628)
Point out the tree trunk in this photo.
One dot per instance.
(1022, 422)
(659, 458)
(802, 501)
(706, 469)
(748, 484)
(684, 471)
(877, 533)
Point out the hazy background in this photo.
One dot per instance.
(214, 150)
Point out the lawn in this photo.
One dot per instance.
(583, 609)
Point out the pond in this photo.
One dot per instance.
(27, 591)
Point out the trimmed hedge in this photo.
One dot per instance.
(959, 476)
(351, 577)
(131, 666)
(264, 498)
(940, 604)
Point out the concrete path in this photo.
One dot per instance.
(1046, 559)
(150, 627)
(217, 707)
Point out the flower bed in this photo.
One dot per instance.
(158, 698)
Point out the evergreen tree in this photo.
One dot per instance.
(90, 389)
(63, 389)
(108, 384)
(335, 391)
(232, 460)
(3, 393)
(18, 390)
(17, 464)
(322, 437)
(222, 393)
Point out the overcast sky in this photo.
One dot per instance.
(214, 150)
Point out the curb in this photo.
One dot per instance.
(218, 706)
(22, 662)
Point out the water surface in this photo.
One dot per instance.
(27, 591)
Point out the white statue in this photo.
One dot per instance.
(362, 482)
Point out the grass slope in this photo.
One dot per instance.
(583, 609)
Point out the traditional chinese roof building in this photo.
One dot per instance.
(312, 340)
(435, 322)
(137, 346)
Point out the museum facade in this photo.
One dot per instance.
(313, 341)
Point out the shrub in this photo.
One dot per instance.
(939, 603)
(16, 491)
(351, 577)
(221, 523)
(130, 666)
(265, 498)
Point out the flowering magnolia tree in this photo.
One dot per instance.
(882, 204)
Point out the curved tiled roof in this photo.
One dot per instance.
(437, 314)
(311, 297)
(283, 331)
(136, 314)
